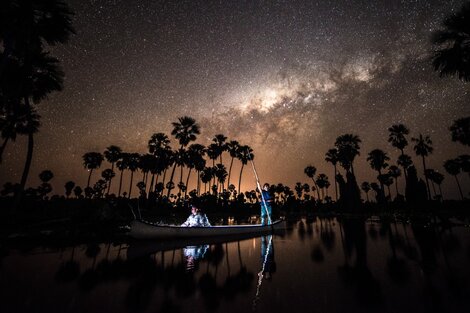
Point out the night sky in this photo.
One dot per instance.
(285, 77)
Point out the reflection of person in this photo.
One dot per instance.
(267, 256)
(266, 209)
(192, 254)
(197, 218)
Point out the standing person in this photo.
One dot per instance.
(197, 218)
(266, 209)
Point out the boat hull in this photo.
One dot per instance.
(146, 230)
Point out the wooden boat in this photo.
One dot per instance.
(146, 230)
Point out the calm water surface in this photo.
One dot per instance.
(318, 265)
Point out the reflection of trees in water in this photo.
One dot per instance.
(358, 275)
(69, 270)
(397, 268)
(145, 274)
(301, 230)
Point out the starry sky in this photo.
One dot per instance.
(285, 77)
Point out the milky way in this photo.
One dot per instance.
(285, 77)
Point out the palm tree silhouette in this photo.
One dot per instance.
(206, 177)
(16, 121)
(245, 155)
(453, 168)
(348, 148)
(221, 174)
(185, 131)
(91, 161)
(405, 161)
(378, 161)
(219, 141)
(464, 161)
(331, 156)
(194, 157)
(460, 130)
(322, 181)
(451, 56)
(68, 188)
(122, 164)
(107, 175)
(397, 138)
(438, 178)
(132, 165)
(395, 172)
(34, 79)
(423, 148)
(310, 171)
(365, 186)
(27, 25)
(232, 147)
(112, 155)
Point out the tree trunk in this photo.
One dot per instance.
(27, 166)
(130, 185)
(427, 180)
(120, 183)
(3, 148)
(109, 185)
(240, 178)
(396, 186)
(171, 179)
(316, 187)
(458, 184)
(229, 172)
(187, 182)
(89, 178)
(336, 184)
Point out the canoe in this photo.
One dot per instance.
(146, 230)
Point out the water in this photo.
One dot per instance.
(325, 265)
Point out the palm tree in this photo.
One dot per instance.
(405, 161)
(322, 181)
(221, 174)
(122, 164)
(158, 142)
(206, 176)
(219, 141)
(132, 165)
(107, 175)
(438, 178)
(464, 161)
(299, 189)
(430, 175)
(365, 186)
(68, 188)
(423, 148)
(452, 54)
(378, 161)
(16, 121)
(331, 156)
(348, 148)
(310, 171)
(395, 172)
(194, 157)
(397, 138)
(27, 25)
(232, 147)
(453, 168)
(185, 131)
(91, 161)
(112, 155)
(460, 130)
(245, 155)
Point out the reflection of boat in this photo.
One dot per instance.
(139, 248)
(147, 230)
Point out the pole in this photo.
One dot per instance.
(261, 190)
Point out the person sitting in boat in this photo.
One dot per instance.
(266, 202)
(197, 218)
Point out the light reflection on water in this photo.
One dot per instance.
(319, 265)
